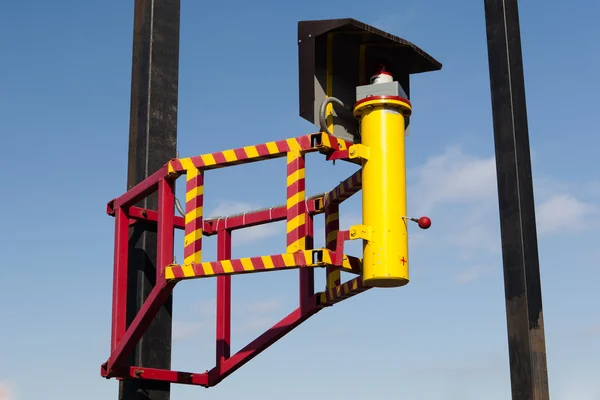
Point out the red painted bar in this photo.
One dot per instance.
(342, 236)
(261, 343)
(139, 191)
(155, 374)
(249, 219)
(343, 155)
(140, 323)
(238, 221)
(119, 300)
(142, 214)
(256, 217)
(223, 300)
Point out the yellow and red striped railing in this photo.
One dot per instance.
(298, 212)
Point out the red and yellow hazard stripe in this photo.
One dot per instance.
(263, 263)
(351, 264)
(296, 201)
(343, 291)
(240, 266)
(334, 143)
(242, 155)
(345, 189)
(194, 197)
(263, 151)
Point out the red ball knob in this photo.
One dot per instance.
(424, 222)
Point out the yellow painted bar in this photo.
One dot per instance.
(384, 229)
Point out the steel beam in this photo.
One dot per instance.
(152, 143)
(525, 322)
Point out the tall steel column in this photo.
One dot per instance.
(525, 322)
(152, 142)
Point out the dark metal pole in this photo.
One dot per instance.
(152, 142)
(525, 322)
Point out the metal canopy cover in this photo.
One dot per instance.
(349, 52)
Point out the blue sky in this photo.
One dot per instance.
(64, 110)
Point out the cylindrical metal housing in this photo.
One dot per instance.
(385, 248)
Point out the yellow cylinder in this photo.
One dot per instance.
(384, 230)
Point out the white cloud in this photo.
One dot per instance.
(7, 391)
(247, 235)
(453, 177)
(458, 191)
(564, 212)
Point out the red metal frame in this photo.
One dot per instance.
(299, 213)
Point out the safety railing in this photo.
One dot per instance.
(298, 212)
